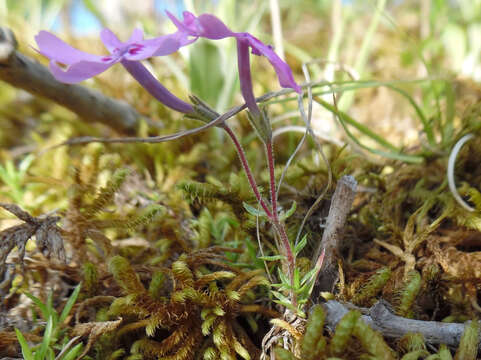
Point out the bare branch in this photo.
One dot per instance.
(25, 73)
(331, 238)
(381, 319)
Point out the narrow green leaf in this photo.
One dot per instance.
(308, 276)
(289, 212)
(70, 303)
(253, 211)
(26, 352)
(272, 258)
(205, 71)
(47, 339)
(73, 353)
(300, 245)
(43, 308)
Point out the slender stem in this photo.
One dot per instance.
(291, 260)
(278, 225)
(247, 170)
(270, 161)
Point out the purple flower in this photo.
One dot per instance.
(211, 27)
(81, 65)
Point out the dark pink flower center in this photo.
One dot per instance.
(135, 48)
(131, 49)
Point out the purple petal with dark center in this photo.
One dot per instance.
(162, 45)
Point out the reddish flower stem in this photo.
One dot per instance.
(272, 215)
(280, 228)
(247, 170)
(270, 161)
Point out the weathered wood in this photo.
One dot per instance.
(331, 238)
(381, 319)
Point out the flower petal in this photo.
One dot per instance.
(213, 28)
(55, 49)
(110, 40)
(79, 71)
(209, 26)
(137, 35)
(188, 25)
(245, 78)
(283, 71)
(154, 87)
(160, 46)
(206, 25)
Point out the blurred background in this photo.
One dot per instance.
(381, 40)
(394, 64)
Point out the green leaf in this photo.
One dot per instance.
(70, 303)
(43, 308)
(283, 278)
(26, 352)
(205, 71)
(296, 281)
(73, 353)
(300, 245)
(254, 211)
(308, 276)
(272, 258)
(47, 339)
(289, 212)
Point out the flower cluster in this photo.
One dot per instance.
(70, 65)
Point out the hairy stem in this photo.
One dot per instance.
(247, 170)
(270, 161)
(278, 225)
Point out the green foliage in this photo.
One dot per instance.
(409, 293)
(313, 343)
(206, 80)
(283, 354)
(90, 282)
(53, 331)
(196, 309)
(125, 276)
(468, 346)
(372, 341)
(372, 287)
(14, 179)
(343, 333)
(301, 286)
(350, 330)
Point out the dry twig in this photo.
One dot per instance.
(331, 238)
(381, 319)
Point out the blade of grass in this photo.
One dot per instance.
(70, 303)
(41, 353)
(26, 352)
(43, 308)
